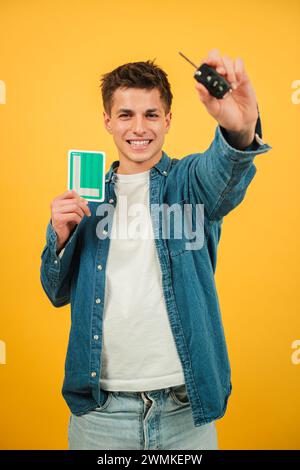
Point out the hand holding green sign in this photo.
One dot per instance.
(67, 210)
(86, 174)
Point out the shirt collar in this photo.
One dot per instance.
(162, 166)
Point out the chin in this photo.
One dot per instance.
(142, 157)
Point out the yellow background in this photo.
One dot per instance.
(52, 54)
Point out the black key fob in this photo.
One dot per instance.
(212, 80)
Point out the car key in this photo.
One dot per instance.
(211, 79)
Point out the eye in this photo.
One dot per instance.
(150, 114)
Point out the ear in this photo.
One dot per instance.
(168, 121)
(107, 120)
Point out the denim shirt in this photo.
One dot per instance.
(217, 178)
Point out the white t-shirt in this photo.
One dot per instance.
(138, 349)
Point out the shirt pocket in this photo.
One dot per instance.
(183, 227)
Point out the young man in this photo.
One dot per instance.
(147, 364)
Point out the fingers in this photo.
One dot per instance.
(70, 202)
(69, 208)
(72, 217)
(204, 94)
(232, 70)
(213, 59)
(239, 69)
(71, 193)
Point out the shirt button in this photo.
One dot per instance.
(98, 301)
(165, 172)
(99, 267)
(93, 374)
(104, 232)
(55, 261)
(111, 201)
(96, 337)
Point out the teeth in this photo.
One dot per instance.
(139, 142)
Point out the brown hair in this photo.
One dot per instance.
(146, 75)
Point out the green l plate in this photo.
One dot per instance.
(86, 174)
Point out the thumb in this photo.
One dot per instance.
(204, 94)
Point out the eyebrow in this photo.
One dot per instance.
(129, 111)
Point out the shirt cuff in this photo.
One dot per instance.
(51, 237)
(256, 147)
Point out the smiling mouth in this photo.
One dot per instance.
(139, 144)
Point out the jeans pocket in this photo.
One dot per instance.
(179, 395)
(106, 403)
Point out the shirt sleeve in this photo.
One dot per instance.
(219, 177)
(56, 271)
(257, 141)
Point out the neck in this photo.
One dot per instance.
(128, 167)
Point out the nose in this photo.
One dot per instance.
(138, 125)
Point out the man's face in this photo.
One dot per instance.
(138, 115)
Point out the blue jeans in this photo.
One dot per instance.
(157, 419)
